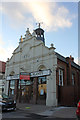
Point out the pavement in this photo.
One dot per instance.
(58, 112)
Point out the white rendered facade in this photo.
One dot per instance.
(32, 55)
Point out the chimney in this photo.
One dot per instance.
(71, 58)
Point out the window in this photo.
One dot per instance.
(72, 79)
(42, 80)
(24, 83)
(60, 77)
(12, 87)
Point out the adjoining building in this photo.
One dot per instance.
(67, 80)
(37, 74)
(2, 75)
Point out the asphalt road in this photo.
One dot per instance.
(23, 115)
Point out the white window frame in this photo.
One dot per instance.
(60, 77)
(72, 79)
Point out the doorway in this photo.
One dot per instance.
(25, 91)
(41, 90)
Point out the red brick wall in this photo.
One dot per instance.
(2, 66)
(68, 94)
(68, 70)
(63, 66)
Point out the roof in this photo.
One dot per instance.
(62, 58)
(39, 29)
(75, 65)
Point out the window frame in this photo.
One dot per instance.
(61, 76)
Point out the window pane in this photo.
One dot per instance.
(60, 77)
(42, 80)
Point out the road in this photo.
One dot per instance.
(24, 115)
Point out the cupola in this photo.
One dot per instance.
(40, 34)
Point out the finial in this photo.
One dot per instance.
(28, 29)
(39, 24)
(21, 39)
(52, 44)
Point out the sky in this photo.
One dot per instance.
(59, 21)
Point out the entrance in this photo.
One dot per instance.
(29, 88)
(39, 86)
(41, 90)
(25, 91)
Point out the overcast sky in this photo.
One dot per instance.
(60, 22)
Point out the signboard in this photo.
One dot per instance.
(24, 76)
(40, 73)
(14, 77)
(42, 92)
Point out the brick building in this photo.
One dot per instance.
(68, 80)
(2, 74)
(52, 76)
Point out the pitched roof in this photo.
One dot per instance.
(62, 58)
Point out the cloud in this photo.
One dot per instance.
(6, 52)
(26, 14)
(53, 16)
(76, 60)
(1, 42)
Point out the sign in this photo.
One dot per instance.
(40, 73)
(42, 92)
(24, 76)
(24, 73)
(15, 77)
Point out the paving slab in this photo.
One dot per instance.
(58, 112)
(64, 112)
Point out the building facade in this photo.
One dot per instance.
(33, 57)
(68, 80)
(2, 75)
(37, 74)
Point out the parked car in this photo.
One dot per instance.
(7, 103)
(78, 111)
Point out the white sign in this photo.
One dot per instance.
(40, 73)
(15, 77)
(42, 92)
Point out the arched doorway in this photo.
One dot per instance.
(42, 87)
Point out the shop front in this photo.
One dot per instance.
(29, 87)
(20, 87)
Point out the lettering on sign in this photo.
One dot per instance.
(15, 77)
(24, 76)
(40, 73)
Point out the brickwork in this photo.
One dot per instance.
(2, 67)
(69, 93)
(68, 70)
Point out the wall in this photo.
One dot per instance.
(68, 94)
(28, 57)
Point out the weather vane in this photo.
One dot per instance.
(39, 24)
